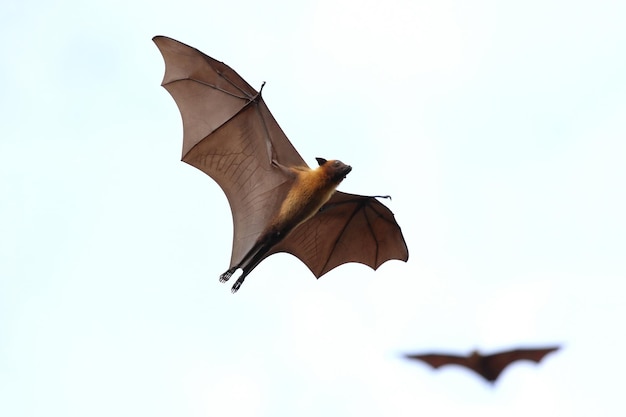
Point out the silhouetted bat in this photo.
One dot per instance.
(278, 203)
(487, 366)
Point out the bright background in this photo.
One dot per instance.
(498, 127)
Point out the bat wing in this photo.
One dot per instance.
(494, 364)
(230, 134)
(438, 360)
(348, 228)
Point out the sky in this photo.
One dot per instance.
(497, 127)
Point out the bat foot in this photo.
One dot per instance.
(226, 275)
(236, 285)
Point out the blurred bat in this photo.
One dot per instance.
(487, 366)
(278, 203)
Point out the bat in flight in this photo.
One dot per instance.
(488, 366)
(278, 203)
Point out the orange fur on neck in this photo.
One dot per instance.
(311, 190)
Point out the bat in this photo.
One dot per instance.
(488, 366)
(278, 203)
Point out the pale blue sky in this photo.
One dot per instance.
(498, 129)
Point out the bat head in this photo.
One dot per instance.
(475, 354)
(335, 169)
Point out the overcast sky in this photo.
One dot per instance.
(499, 131)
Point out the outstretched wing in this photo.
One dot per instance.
(230, 134)
(438, 360)
(496, 363)
(348, 228)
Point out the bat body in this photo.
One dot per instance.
(311, 189)
(278, 203)
(488, 366)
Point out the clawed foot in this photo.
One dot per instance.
(236, 285)
(226, 275)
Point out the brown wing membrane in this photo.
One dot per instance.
(496, 363)
(349, 228)
(230, 134)
(439, 360)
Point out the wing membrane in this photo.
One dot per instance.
(230, 134)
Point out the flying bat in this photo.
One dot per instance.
(487, 366)
(278, 203)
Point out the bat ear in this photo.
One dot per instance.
(321, 161)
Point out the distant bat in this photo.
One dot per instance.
(487, 366)
(278, 203)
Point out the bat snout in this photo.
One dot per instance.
(341, 174)
(336, 169)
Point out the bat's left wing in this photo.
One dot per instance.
(437, 360)
(348, 228)
(496, 363)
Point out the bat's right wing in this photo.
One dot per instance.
(348, 228)
(230, 134)
(497, 362)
